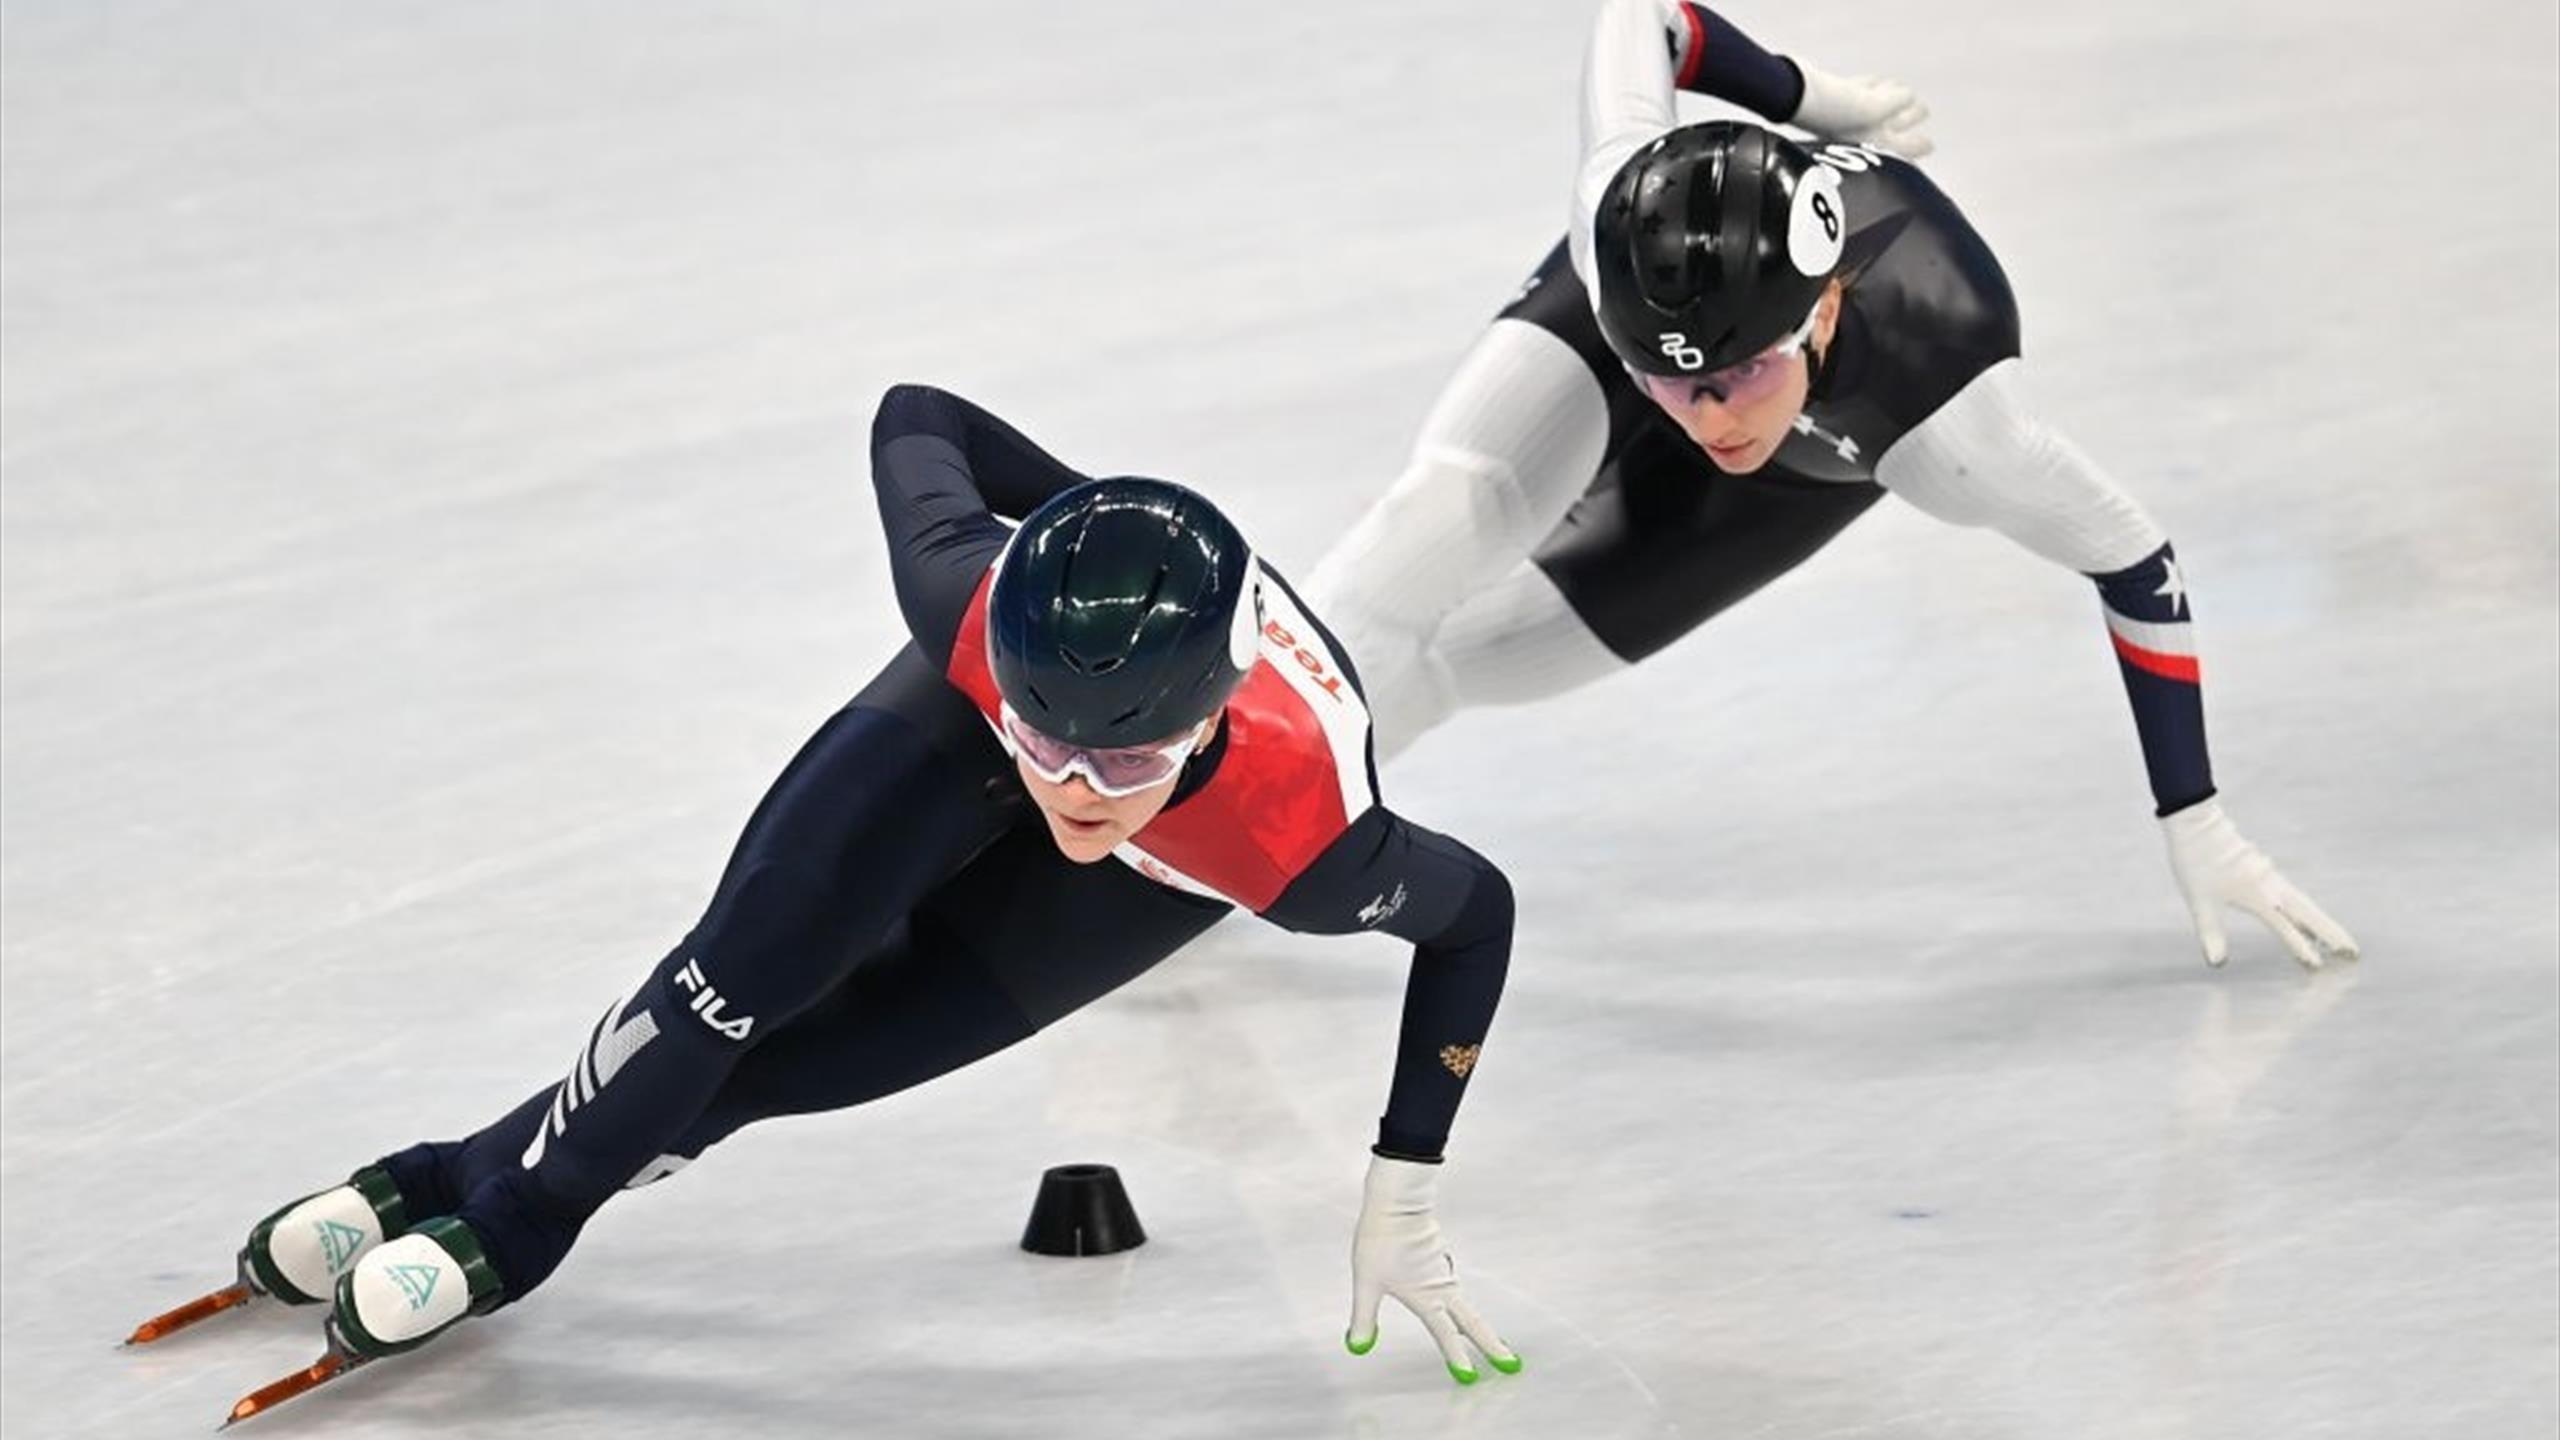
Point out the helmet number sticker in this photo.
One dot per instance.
(1815, 222)
(1683, 354)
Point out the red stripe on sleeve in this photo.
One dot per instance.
(1697, 47)
(2168, 667)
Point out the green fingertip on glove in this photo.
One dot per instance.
(1507, 1364)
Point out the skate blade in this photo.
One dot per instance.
(301, 1382)
(185, 1315)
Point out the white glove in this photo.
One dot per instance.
(1864, 110)
(1397, 1250)
(2216, 866)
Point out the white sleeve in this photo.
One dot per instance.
(1984, 459)
(1629, 96)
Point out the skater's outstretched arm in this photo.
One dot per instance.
(1644, 51)
(945, 470)
(1984, 458)
(1388, 874)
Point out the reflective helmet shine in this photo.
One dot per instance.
(1124, 612)
(1712, 244)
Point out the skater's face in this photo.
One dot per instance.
(1740, 416)
(1088, 824)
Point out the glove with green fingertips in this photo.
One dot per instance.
(1397, 1251)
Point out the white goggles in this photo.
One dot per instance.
(1112, 771)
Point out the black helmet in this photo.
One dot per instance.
(1712, 244)
(1124, 612)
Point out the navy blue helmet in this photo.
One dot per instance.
(1125, 612)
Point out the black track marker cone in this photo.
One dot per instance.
(1082, 1210)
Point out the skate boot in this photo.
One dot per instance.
(397, 1297)
(296, 1254)
(413, 1289)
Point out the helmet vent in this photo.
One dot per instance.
(1083, 666)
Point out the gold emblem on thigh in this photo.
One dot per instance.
(1460, 1058)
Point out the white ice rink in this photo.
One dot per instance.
(435, 505)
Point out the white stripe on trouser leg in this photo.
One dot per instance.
(542, 1134)
(606, 1051)
(623, 1043)
(582, 1075)
(656, 1170)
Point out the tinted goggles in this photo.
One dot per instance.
(1112, 772)
(1740, 383)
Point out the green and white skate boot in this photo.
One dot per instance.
(297, 1254)
(398, 1296)
(410, 1290)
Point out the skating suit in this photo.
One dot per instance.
(1553, 525)
(896, 908)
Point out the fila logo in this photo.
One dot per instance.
(1384, 907)
(1683, 354)
(707, 1002)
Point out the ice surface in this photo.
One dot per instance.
(433, 507)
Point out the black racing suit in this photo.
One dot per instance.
(1663, 540)
(1915, 392)
(896, 908)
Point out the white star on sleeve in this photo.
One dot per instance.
(2175, 587)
